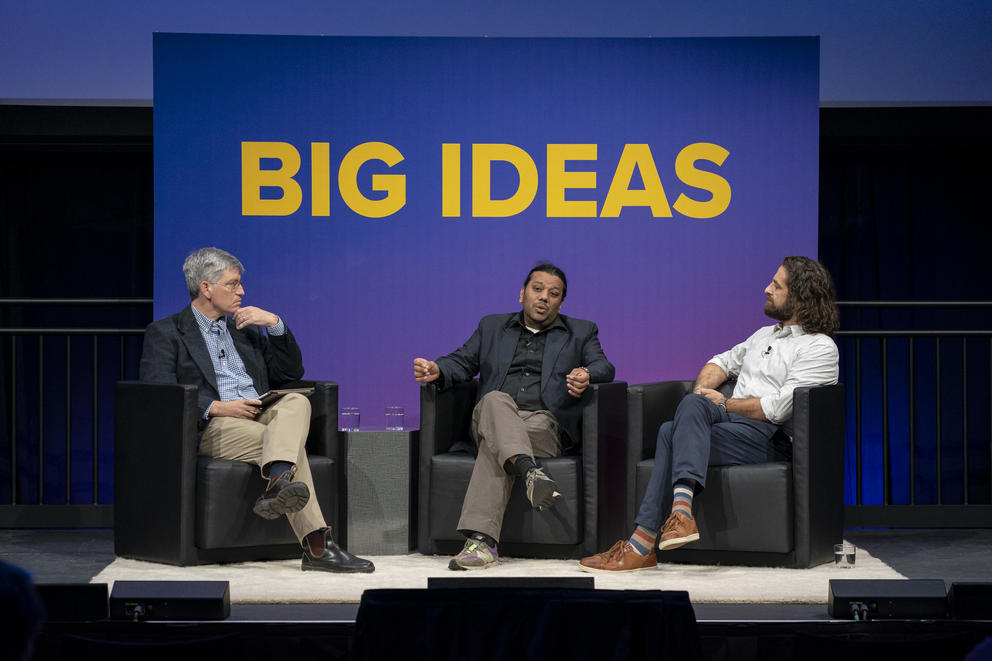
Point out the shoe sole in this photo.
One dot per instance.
(454, 566)
(291, 499)
(357, 570)
(670, 544)
(593, 570)
(555, 497)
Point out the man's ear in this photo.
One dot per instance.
(205, 289)
(522, 294)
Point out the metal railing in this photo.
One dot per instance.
(27, 386)
(913, 513)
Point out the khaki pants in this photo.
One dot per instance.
(279, 433)
(501, 431)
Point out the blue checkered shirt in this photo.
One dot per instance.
(233, 381)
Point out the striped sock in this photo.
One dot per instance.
(683, 498)
(643, 540)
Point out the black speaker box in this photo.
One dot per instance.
(516, 582)
(74, 601)
(970, 601)
(888, 599)
(170, 600)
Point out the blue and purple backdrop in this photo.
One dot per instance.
(666, 177)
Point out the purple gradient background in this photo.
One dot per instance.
(366, 296)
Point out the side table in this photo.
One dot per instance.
(381, 486)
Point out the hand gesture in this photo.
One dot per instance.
(425, 371)
(577, 381)
(246, 409)
(252, 316)
(713, 395)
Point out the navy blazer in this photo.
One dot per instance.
(174, 352)
(490, 350)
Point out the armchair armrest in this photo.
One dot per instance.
(649, 405)
(155, 449)
(445, 416)
(604, 449)
(818, 469)
(323, 436)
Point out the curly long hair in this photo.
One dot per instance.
(811, 295)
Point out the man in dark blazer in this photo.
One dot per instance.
(220, 347)
(533, 367)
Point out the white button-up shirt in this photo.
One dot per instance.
(775, 361)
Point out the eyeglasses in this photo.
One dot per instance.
(233, 285)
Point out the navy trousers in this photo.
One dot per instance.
(703, 435)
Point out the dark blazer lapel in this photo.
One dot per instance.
(247, 353)
(190, 334)
(555, 342)
(509, 335)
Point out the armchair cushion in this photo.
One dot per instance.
(562, 524)
(747, 508)
(226, 493)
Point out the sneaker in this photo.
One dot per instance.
(474, 555)
(542, 491)
(620, 558)
(678, 530)
(283, 496)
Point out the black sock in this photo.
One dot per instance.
(277, 468)
(523, 464)
(484, 538)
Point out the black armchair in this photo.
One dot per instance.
(786, 514)
(173, 506)
(587, 519)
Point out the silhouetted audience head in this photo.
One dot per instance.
(21, 613)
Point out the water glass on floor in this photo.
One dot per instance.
(844, 555)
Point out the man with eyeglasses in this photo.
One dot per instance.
(220, 347)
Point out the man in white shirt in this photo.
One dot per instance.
(712, 430)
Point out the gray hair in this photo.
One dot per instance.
(208, 264)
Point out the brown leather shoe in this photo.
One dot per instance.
(620, 558)
(677, 531)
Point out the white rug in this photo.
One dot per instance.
(283, 582)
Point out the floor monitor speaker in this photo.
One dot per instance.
(871, 599)
(170, 600)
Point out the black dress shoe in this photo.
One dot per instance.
(335, 559)
(282, 497)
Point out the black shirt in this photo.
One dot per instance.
(523, 379)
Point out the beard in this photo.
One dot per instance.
(783, 313)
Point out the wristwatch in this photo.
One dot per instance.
(723, 404)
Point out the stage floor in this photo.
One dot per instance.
(78, 555)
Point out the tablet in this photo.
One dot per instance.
(273, 396)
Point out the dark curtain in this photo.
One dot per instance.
(903, 215)
(76, 222)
